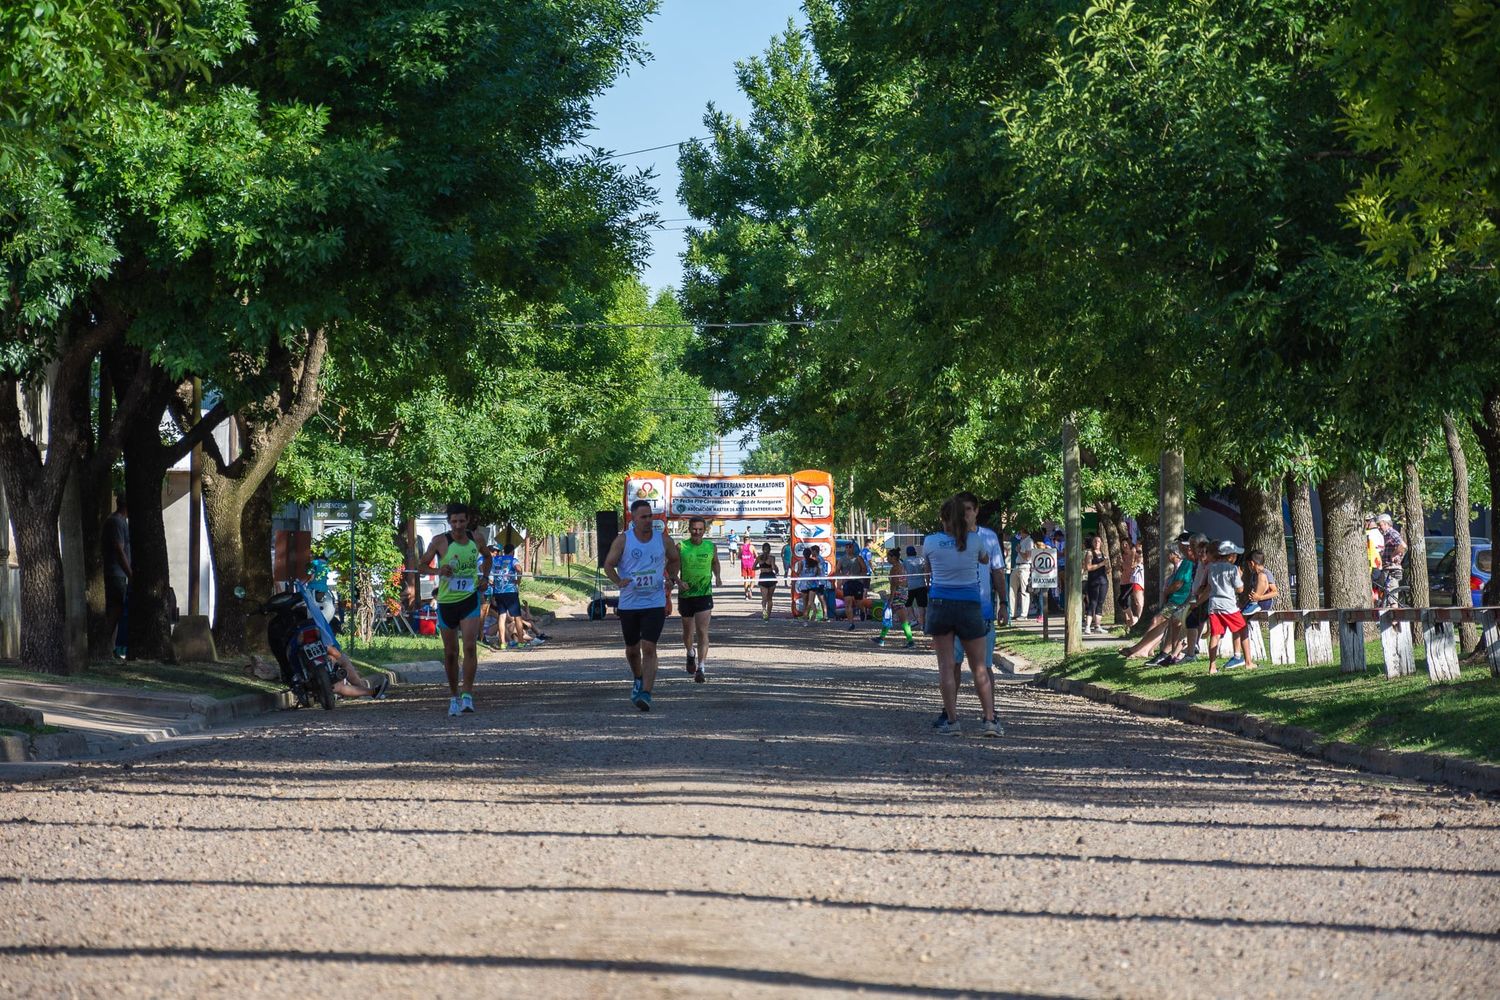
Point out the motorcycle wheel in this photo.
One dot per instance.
(325, 688)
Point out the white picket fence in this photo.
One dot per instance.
(1396, 626)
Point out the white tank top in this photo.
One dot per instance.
(643, 568)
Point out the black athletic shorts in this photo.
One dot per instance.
(506, 604)
(453, 612)
(854, 590)
(645, 623)
(687, 607)
(1196, 617)
(917, 596)
(960, 618)
(768, 583)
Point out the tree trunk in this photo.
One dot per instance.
(1265, 528)
(38, 454)
(1305, 539)
(10, 640)
(149, 620)
(1416, 537)
(229, 486)
(1111, 532)
(97, 495)
(239, 530)
(1463, 548)
(75, 634)
(1073, 522)
(40, 558)
(1487, 428)
(1345, 565)
(1171, 511)
(1151, 553)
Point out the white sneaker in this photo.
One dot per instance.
(454, 707)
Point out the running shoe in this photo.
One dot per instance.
(692, 664)
(879, 642)
(642, 700)
(911, 644)
(991, 727)
(699, 676)
(941, 720)
(765, 616)
(946, 728)
(466, 702)
(1158, 660)
(513, 645)
(380, 686)
(453, 708)
(1234, 661)
(851, 626)
(635, 688)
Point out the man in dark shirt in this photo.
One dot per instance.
(117, 573)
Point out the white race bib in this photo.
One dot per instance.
(460, 584)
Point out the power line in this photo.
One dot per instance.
(667, 326)
(652, 149)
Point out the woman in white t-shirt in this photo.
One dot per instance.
(953, 610)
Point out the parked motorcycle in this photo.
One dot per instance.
(306, 665)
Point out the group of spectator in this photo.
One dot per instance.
(1207, 588)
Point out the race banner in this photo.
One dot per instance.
(729, 497)
(812, 512)
(650, 487)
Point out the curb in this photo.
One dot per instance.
(1413, 765)
(16, 748)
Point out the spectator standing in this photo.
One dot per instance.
(916, 584)
(852, 567)
(1095, 583)
(991, 581)
(1225, 583)
(954, 555)
(1021, 548)
(1374, 542)
(117, 572)
(1392, 554)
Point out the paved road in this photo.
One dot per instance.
(792, 828)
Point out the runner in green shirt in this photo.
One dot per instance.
(700, 572)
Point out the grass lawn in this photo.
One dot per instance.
(29, 730)
(222, 680)
(1460, 717)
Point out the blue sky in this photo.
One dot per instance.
(694, 46)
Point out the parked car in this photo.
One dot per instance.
(1480, 570)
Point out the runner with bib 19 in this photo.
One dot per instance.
(462, 566)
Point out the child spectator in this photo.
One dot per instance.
(1225, 583)
(1260, 584)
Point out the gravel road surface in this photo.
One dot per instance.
(791, 828)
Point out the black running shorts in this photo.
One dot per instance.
(645, 623)
(453, 612)
(687, 607)
(917, 596)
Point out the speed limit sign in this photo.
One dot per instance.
(1043, 569)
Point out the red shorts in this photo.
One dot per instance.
(1220, 622)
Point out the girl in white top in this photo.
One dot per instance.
(953, 609)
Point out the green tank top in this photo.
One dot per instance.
(697, 568)
(464, 558)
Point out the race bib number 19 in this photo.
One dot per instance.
(461, 584)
